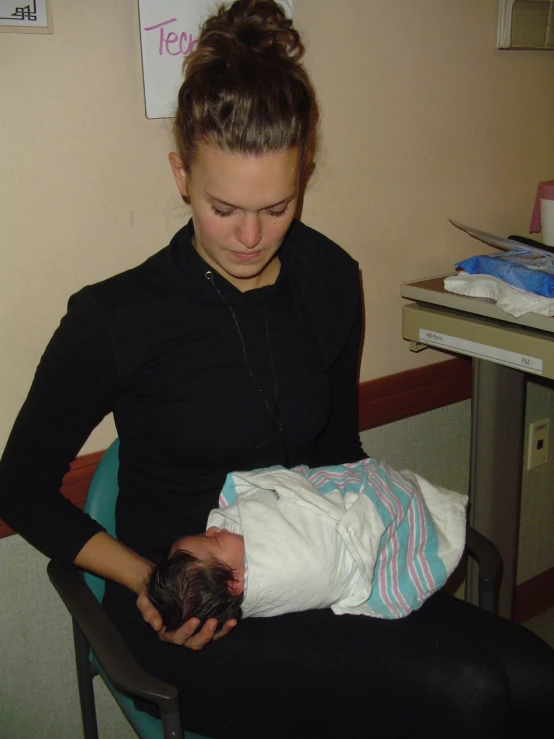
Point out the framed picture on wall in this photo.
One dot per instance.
(31, 16)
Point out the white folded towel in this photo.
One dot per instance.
(510, 299)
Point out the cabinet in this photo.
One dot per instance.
(525, 24)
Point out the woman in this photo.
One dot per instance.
(236, 347)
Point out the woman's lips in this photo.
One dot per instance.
(246, 257)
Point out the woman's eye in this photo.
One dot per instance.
(277, 213)
(226, 213)
(221, 213)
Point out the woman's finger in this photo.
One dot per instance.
(180, 635)
(226, 628)
(185, 635)
(149, 612)
(202, 637)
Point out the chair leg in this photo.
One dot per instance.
(84, 680)
(171, 723)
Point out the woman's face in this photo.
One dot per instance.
(242, 207)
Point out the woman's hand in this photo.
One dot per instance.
(183, 636)
(107, 557)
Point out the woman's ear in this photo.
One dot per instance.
(180, 174)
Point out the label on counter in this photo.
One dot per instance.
(481, 351)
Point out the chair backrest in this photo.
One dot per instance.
(100, 503)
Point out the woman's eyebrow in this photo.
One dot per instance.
(266, 207)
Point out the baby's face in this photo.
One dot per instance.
(223, 545)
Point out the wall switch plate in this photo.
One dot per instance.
(537, 449)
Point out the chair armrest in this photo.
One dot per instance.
(485, 553)
(108, 646)
(489, 561)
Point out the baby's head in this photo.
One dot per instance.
(202, 577)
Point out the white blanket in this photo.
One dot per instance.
(359, 538)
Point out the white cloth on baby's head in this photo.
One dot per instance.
(360, 538)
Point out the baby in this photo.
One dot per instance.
(359, 538)
(201, 576)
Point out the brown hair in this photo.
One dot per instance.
(245, 89)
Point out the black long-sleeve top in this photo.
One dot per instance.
(202, 380)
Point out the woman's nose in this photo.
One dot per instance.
(249, 232)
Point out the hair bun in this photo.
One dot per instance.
(261, 26)
(245, 88)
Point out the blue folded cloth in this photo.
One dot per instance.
(526, 270)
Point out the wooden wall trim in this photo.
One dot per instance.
(75, 483)
(415, 391)
(534, 596)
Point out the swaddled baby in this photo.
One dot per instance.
(359, 538)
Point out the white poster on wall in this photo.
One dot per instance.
(168, 33)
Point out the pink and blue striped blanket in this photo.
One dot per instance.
(360, 538)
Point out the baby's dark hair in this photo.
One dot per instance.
(183, 587)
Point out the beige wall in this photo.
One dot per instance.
(423, 118)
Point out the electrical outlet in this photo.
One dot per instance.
(537, 450)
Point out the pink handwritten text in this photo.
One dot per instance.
(172, 43)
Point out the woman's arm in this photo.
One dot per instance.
(340, 441)
(107, 557)
(74, 387)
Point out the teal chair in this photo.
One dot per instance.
(99, 648)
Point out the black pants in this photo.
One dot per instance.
(447, 671)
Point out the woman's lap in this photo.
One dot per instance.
(447, 670)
